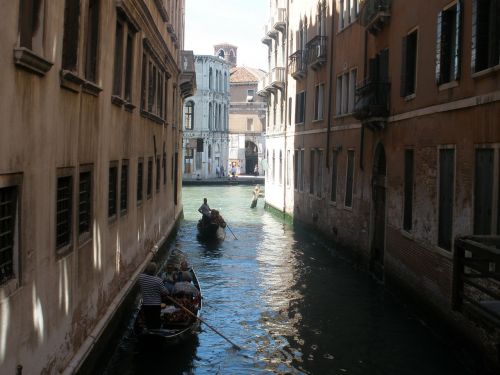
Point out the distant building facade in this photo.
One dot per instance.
(247, 118)
(90, 186)
(383, 133)
(206, 120)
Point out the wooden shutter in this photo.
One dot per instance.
(457, 61)
(483, 191)
(403, 66)
(474, 36)
(438, 46)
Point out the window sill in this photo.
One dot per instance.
(340, 31)
(123, 213)
(84, 239)
(63, 251)
(112, 219)
(129, 107)
(9, 287)
(343, 115)
(317, 121)
(448, 85)
(487, 71)
(152, 117)
(70, 80)
(347, 208)
(116, 100)
(91, 88)
(407, 98)
(406, 234)
(29, 60)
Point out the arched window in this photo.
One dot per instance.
(274, 167)
(210, 78)
(220, 117)
(209, 151)
(225, 126)
(281, 168)
(217, 80)
(221, 54)
(189, 115)
(321, 18)
(225, 82)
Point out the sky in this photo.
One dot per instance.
(237, 22)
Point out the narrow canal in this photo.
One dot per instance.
(295, 306)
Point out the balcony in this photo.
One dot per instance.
(188, 75)
(316, 52)
(374, 14)
(262, 86)
(278, 78)
(271, 32)
(297, 65)
(280, 20)
(266, 39)
(371, 106)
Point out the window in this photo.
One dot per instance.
(124, 37)
(164, 163)
(188, 160)
(300, 108)
(124, 187)
(296, 170)
(289, 111)
(154, 82)
(210, 79)
(85, 200)
(318, 102)
(71, 35)
(409, 64)
(348, 12)
(280, 172)
(319, 174)
(312, 171)
(112, 189)
(92, 40)
(32, 22)
(188, 118)
(487, 191)
(333, 192)
(346, 84)
(446, 197)
(448, 44)
(250, 95)
(140, 179)
(349, 185)
(289, 166)
(64, 211)
(408, 191)
(273, 169)
(485, 34)
(9, 226)
(149, 185)
(158, 173)
(249, 124)
(210, 115)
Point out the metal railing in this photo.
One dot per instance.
(372, 99)
(316, 50)
(297, 65)
(477, 278)
(370, 9)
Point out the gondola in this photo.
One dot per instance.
(211, 228)
(176, 325)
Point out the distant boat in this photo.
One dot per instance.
(176, 325)
(210, 229)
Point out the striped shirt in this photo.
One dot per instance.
(152, 289)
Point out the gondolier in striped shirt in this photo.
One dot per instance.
(153, 291)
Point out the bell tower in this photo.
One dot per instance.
(227, 52)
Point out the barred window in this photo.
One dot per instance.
(84, 202)
(64, 210)
(112, 191)
(124, 188)
(149, 186)
(158, 173)
(140, 176)
(8, 215)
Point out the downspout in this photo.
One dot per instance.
(365, 75)
(285, 60)
(330, 91)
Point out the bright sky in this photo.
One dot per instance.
(237, 22)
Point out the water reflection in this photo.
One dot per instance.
(291, 302)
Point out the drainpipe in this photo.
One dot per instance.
(365, 75)
(285, 59)
(330, 90)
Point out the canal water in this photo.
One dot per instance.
(294, 304)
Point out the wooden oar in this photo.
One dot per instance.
(231, 231)
(201, 320)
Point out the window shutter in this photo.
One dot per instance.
(438, 47)
(474, 36)
(403, 67)
(457, 61)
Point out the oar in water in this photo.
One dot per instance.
(201, 320)
(231, 231)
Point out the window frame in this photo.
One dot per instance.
(84, 236)
(67, 247)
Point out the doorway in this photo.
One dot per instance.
(378, 213)
(251, 157)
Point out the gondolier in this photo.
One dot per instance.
(205, 211)
(153, 291)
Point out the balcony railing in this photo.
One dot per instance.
(278, 77)
(280, 19)
(266, 39)
(372, 103)
(476, 291)
(297, 66)
(262, 86)
(316, 52)
(374, 14)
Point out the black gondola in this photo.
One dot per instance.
(176, 325)
(210, 228)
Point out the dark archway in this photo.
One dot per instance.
(251, 157)
(378, 224)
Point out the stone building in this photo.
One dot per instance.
(205, 123)
(91, 101)
(247, 118)
(383, 133)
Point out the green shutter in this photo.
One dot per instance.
(438, 47)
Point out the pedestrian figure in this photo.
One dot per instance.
(256, 194)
